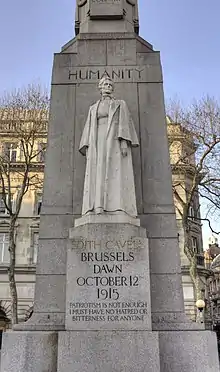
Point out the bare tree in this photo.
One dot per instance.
(199, 130)
(23, 116)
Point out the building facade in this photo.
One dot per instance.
(13, 158)
(27, 225)
(182, 158)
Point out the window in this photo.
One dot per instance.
(41, 152)
(3, 209)
(195, 245)
(21, 155)
(4, 253)
(35, 247)
(4, 323)
(10, 151)
(191, 212)
(38, 203)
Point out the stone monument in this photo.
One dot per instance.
(108, 293)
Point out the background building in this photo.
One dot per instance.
(27, 224)
(182, 157)
(212, 261)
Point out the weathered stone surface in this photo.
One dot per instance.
(160, 225)
(48, 248)
(50, 293)
(55, 226)
(121, 52)
(109, 36)
(59, 159)
(49, 305)
(150, 59)
(159, 250)
(173, 321)
(188, 351)
(156, 172)
(144, 46)
(108, 27)
(166, 293)
(133, 351)
(29, 352)
(91, 52)
(108, 278)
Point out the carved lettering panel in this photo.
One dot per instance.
(108, 284)
(106, 9)
(119, 74)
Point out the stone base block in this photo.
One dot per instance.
(137, 351)
(188, 351)
(116, 217)
(29, 352)
(118, 351)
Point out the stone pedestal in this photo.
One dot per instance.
(121, 350)
(108, 320)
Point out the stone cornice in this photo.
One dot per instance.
(202, 271)
(20, 269)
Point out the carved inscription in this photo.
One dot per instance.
(112, 311)
(134, 243)
(108, 272)
(107, 285)
(117, 74)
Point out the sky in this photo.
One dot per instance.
(187, 33)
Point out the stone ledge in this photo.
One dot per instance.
(174, 321)
(41, 322)
(107, 218)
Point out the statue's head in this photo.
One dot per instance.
(106, 85)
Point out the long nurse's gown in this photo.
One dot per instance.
(102, 126)
(109, 179)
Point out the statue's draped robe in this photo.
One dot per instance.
(117, 179)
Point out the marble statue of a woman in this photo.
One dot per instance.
(107, 139)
